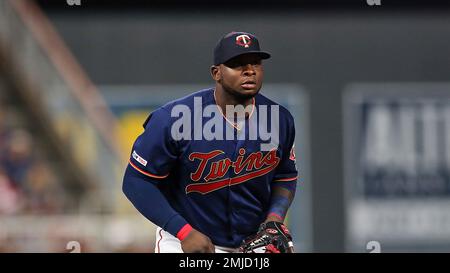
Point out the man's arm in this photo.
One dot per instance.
(150, 202)
(153, 154)
(281, 199)
(284, 182)
(272, 234)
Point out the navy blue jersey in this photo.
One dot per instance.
(221, 186)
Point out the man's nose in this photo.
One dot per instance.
(249, 70)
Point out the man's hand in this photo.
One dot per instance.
(272, 237)
(197, 242)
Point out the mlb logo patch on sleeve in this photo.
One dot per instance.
(139, 159)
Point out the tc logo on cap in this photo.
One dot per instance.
(243, 40)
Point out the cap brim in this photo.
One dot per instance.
(264, 55)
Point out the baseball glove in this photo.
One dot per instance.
(272, 237)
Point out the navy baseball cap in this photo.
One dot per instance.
(237, 43)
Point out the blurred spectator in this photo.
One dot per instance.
(2, 130)
(41, 190)
(18, 156)
(9, 195)
(27, 181)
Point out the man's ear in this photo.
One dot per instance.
(215, 72)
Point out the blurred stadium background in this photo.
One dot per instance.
(369, 87)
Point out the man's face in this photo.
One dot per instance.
(241, 76)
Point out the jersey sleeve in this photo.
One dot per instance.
(154, 152)
(286, 170)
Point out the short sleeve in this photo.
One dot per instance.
(154, 151)
(287, 168)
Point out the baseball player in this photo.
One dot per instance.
(227, 190)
